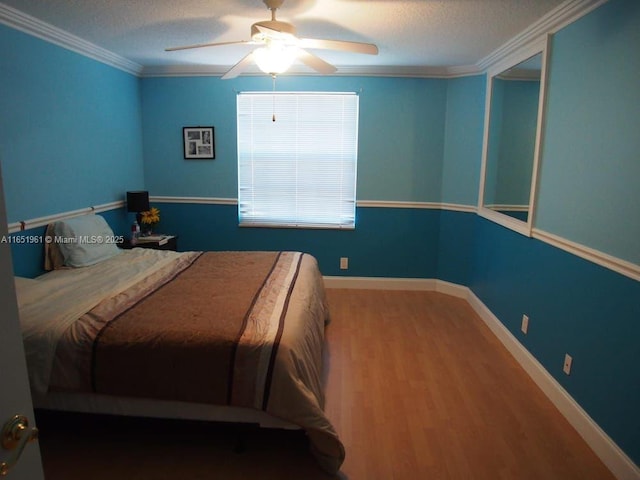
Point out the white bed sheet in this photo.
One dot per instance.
(56, 299)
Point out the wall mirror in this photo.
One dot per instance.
(512, 137)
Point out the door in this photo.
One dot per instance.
(15, 396)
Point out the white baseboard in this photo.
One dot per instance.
(611, 455)
(622, 467)
(375, 283)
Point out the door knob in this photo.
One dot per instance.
(15, 436)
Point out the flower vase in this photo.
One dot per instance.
(147, 230)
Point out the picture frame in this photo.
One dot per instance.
(198, 143)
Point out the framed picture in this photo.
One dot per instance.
(198, 143)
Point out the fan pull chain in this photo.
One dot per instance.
(273, 115)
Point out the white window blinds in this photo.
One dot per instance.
(299, 170)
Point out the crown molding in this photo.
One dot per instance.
(37, 28)
(531, 38)
(343, 71)
(189, 71)
(558, 18)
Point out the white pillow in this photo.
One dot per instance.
(85, 240)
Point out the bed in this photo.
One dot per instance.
(232, 336)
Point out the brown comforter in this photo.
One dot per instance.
(227, 328)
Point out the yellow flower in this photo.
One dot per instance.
(151, 217)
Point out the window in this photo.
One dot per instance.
(297, 157)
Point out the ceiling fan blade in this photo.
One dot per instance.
(356, 47)
(201, 45)
(239, 67)
(275, 34)
(315, 62)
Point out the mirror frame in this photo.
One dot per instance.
(538, 47)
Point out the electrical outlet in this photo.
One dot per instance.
(344, 263)
(567, 364)
(525, 324)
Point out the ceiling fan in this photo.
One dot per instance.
(279, 47)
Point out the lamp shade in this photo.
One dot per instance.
(138, 201)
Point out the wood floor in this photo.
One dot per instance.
(417, 388)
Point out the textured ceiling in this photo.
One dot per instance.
(409, 33)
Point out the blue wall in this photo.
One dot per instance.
(463, 140)
(387, 242)
(574, 307)
(588, 193)
(70, 129)
(401, 155)
(402, 124)
(590, 167)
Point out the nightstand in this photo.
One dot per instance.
(169, 242)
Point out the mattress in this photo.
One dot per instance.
(236, 330)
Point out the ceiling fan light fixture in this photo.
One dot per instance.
(275, 57)
(280, 47)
